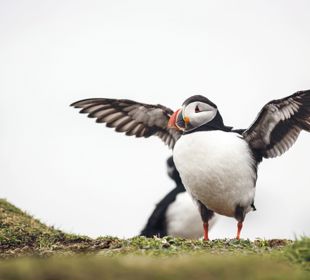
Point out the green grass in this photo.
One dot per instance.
(299, 252)
(21, 234)
(133, 267)
(80, 257)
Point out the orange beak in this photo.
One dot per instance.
(186, 120)
(173, 119)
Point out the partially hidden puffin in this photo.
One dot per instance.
(176, 214)
(217, 165)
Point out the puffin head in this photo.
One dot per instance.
(196, 112)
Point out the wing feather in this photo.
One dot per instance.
(279, 124)
(130, 117)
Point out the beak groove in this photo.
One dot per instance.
(176, 121)
(173, 119)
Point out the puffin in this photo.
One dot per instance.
(176, 214)
(217, 164)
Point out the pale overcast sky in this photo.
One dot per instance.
(84, 178)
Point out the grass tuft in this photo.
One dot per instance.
(299, 252)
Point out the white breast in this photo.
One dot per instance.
(216, 168)
(183, 219)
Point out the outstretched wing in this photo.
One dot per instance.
(130, 117)
(279, 123)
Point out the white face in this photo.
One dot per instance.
(199, 113)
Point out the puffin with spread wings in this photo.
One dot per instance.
(217, 164)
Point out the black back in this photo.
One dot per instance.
(156, 224)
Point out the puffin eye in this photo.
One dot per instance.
(197, 110)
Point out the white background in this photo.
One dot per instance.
(84, 178)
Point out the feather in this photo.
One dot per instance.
(279, 123)
(130, 117)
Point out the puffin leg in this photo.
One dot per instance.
(239, 226)
(239, 215)
(206, 215)
(206, 231)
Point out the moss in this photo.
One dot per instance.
(140, 257)
(20, 229)
(22, 235)
(299, 252)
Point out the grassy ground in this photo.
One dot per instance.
(79, 257)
